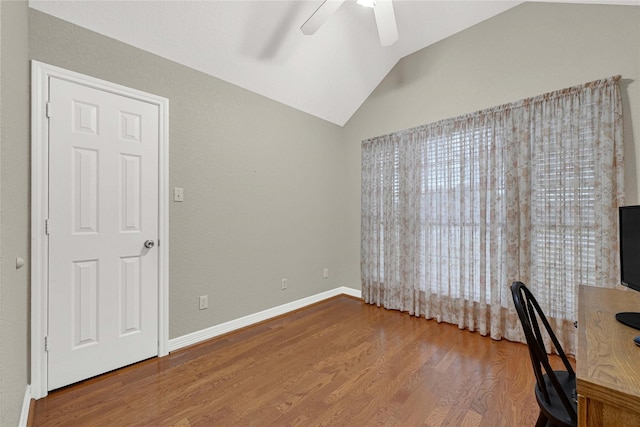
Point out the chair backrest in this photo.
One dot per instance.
(530, 313)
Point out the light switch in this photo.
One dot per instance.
(178, 194)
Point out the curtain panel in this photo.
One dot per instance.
(454, 211)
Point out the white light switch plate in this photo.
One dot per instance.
(178, 194)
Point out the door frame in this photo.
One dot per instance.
(40, 74)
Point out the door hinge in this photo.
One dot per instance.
(46, 343)
(46, 226)
(48, 110)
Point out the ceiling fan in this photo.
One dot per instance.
(382, 9)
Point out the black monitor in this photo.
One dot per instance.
(630, 258)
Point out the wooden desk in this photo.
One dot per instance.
(608, 362)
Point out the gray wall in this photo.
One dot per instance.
(14, 208)
(259, 178)
(526, 51)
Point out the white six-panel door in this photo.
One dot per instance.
(103, 207)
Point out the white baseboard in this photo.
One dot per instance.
(242, 322)
(351, 292)
(26, 404)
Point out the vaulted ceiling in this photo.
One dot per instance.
(258, 44)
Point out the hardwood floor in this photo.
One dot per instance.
(340, 362)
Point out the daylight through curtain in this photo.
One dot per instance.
(453, 212)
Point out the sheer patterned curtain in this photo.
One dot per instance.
(453, 212)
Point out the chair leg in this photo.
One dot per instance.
(542, 420)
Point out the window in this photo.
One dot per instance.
(453, 212)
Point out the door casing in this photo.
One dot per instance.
(40, 73)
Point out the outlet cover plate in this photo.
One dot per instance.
(204, 302)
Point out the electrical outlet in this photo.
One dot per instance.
(284, 284)
(204, 302)
(325, 273)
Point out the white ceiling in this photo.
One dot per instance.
(258, 44)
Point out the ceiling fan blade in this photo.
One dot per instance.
(321, 14)
(386, 21)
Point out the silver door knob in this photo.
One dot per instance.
(149, 244)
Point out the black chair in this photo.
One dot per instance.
(555, 390)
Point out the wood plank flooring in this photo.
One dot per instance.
(340, 362)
